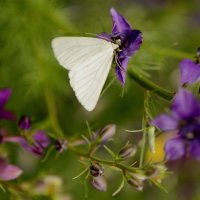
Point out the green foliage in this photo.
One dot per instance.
(41, 89)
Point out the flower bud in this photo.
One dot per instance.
(96, 170)
(198, 53)
(136, 183)
(60, 145)
(151, 138)
(107, 132)
(7, 171)
(24, 122)
(127, 151)
(156, 172)
(99, 183)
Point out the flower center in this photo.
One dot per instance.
(190, 136)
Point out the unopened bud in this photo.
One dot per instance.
(151, 138)
(61, 145)
(198, 52)
(107, 132)
(136, 183)
(157, 172)
(24, 122)
(127, 151)
(99, 183)
(96, 170)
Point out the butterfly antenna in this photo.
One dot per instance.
(93, 34)
(98, 36)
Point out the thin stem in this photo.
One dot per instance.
(51, 106)
(105, 162)
(144, 124)
(149, 85)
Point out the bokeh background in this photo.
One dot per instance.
(171, 30)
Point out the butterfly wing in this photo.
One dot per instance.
(89, 61)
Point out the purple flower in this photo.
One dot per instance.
(129, 42)
(37, 145)
(4, 97)
(24, 122)
(190, 70)
(185, 119)
(8, 172)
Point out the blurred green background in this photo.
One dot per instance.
(171, 30)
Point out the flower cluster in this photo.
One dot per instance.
(184, 117)
(185, 120)
(35, 143)
(7, 171)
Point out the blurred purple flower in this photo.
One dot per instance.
(4, 97)
(185, 118)
(8, 172)
(24, 122)
(129, 42)
(39, 142)
(190, 70)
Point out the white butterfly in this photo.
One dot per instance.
(88, 61)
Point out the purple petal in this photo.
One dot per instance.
(133, 42)
(194, 149)
(121, 70)
(185, 106)
(175, 149)
(166, 122)
(7, 115)
(20, 140)
(119, 23)
(4, 96)
(8, 172)
(41, 139)
(105, 36)
(190, 71)
(24, 122)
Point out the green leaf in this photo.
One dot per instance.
(2, 188)
(109, 151)
(83, 172)
(89, 128)
(119, 188)
(47, 153)
(86, 140)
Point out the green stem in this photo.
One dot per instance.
(144, 126)
(149, 85)
(105, 162)
(51, 106)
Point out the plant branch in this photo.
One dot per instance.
(149, 85)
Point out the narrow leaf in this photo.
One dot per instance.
(83, 172)
(119, 188)
(86, 140)
(109, 151)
